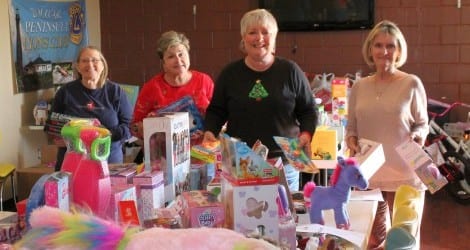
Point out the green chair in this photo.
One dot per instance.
(7, 170)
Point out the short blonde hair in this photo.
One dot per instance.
(170, 39)
(392, 29)
(257, 17)
(104, 73)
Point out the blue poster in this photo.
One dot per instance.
(46, 36)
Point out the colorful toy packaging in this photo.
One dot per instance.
(242, 166)
(124, 192)
(56, 190)
(167, 149)
(150, 193)
(202, 209)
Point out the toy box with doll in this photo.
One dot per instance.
(201, 209)
(242, 166)
(167, 149)
(56, 190)
(150, 192)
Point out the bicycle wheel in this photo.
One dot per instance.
(458, 187)
(457, 163)
(458, 193)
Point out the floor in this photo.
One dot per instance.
(446, 224)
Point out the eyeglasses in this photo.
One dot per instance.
(88, 60)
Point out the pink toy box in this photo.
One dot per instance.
(57, 192)
(150, 193)
(167, 149)
(121, 174)
(124, 192)
(201, 209)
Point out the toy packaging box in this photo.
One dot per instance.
(242, 166)
(150, 193)
(123, 192)
(121, 174)
(167, 149)
(371, 157)
(297, 158)
(324, 143)
(57, 192)
(251, 210)
(186, 104)
(417, 159)
(201, 209)
(207, 155)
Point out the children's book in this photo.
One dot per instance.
(296, 157)
(186, 104)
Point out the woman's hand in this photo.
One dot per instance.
(209, 138)
(305, 143)
(417, 138)
(137, 129)
(353, 145)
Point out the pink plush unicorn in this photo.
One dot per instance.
(336, 196)
(52, 228)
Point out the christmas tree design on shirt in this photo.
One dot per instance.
(258, 91)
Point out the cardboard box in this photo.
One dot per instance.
(418, 160)
(121, 174)
(242, 166)
(202, 209)
(324, 143)
(57, 192)
(371, 157)
(150, 193)
(124, 192)
(167, 149)
(251, 209)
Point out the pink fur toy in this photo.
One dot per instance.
(52, 228)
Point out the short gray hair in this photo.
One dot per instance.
(170, 39)
(258, 16)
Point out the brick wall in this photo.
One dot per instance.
(438, 35)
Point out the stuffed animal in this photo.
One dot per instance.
(52, 228)
(347, 174)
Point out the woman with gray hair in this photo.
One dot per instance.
(174, 82)
(263, 95)
(93, 95)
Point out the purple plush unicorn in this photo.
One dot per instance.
(346, 175)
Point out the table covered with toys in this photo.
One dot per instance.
(222, 196)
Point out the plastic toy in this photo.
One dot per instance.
(346, 175)
(40, 112)
(86, 160)
(56, 229)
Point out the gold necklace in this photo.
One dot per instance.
(381, 91)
